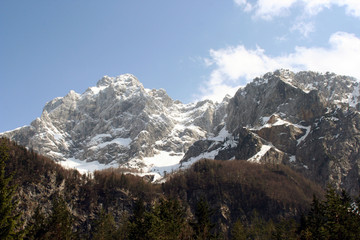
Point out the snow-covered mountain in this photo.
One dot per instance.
(307, 120)
(119, 122)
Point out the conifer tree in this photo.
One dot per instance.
(36, 228)
(167, 220)
(60, 222)
(238, 231)
(9, 220)
(286, 229)
(337, 217)
(203, 226)
(259, 228)
(136, 221)
(105, 227)
(173, 215)
(164, 221)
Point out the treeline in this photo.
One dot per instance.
(336, 217)
(210, 200)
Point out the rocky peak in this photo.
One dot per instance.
(306, 120)
(162, 96)
(335, 89)
(274, 93)
(118, 121)
(125, 79)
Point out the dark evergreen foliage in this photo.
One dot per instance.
(36, 228)
(56, 226)
(238, 231)
(9, 219)
(165, 220)
(337, 217)
(203, 225)
(263, 202)
(60, 221)
(105, 228)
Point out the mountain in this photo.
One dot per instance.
(309, 121)
(119, 122)
(306, 120)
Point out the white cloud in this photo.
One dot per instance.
(305, 28)
(342, 57)
(235, 66)
(282, 38)
(268, 9)
(247, 6)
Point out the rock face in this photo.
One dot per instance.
(273, 93)
(330, 153)
(306, 120)
(118, 122)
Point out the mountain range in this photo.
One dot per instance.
(306, 120)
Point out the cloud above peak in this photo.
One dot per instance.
(235, 66)
(268, 9)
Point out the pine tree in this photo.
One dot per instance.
(167, 220)
(36, 227)
(286, 229)
(164, 221)
(60, 222)
(203, 226)
(337, 217)
(259, 228)
(9, 221)
(136, 221)
(238, 231)
(173, 216)
(105, 227)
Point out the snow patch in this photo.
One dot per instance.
(207, 155)
(264, 120)
(221, 135)
(58, 137)
(96, 90)
(85, 167)
(257, 157)
(165, 160)
(308, 128)
(98, 138)
(354, 96)
(125, 142)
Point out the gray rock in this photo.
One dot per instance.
(118, 121)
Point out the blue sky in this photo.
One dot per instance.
(193, 49)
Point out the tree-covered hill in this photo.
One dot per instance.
(211, 199)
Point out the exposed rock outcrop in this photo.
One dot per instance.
(118, 122)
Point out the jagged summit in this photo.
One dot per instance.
(119, 122)
(124, 79)
(307, 120)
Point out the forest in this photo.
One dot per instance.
(211, 200)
